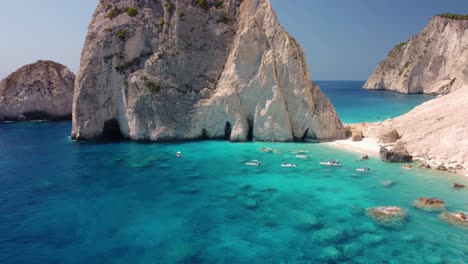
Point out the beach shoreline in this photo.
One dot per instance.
(368, 146)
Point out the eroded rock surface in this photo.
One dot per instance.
(39, 91)
(432, 62)
(434, 132)
(397, 154)
(390, 216)
(177, 70)
(430, 204)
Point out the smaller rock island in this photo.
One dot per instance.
(39, 91)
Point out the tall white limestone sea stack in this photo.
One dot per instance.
(432, 62)
(180, 70)
(37, 91)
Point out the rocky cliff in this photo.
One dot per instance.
(177, 70)
(435, 132)
(433, 62)
(41, 90)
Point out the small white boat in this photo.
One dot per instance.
(331, 163)
(302, 156)
(363, 169)
(179, 154)
(253, 163)
(289, 165)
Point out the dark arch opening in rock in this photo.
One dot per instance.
(227, 131)
(204, 134)
(111, 130)
(305, 135)
(250, 131)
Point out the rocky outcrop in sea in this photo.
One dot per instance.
(180, 70)
(432, 62)
(39, 91)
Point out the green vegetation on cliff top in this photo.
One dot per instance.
(454, 16)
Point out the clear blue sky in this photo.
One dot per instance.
(343, 39)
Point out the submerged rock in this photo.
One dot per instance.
(389, 216)
(249, 203)
(352, 249)
(218, 71)
(328, 235)
(429, 204)
(397, 154)
(371, 239)
(457, 185)
(387, 183)
(330, 254)
(459, 218)
(303, 220)
(37, 91)
(432, 62)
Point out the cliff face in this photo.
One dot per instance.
(435, 132)
(176, 70)
(41, 90)
(433, 62)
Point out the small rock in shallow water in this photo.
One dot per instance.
(389, 216)
(429, 204)
(424, 166)
(457, 185)
(387, 183)
(458, 218)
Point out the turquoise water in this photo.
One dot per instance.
(128, 202)
(355, 104)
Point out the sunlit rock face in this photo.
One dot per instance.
(180, 70)
(432, 62)
(38, 91)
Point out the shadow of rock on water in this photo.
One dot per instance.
(303, 221)
(188, 190)
(141, 162)
(327, 236)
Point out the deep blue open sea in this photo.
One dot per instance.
(128, 202)
(355, 104)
